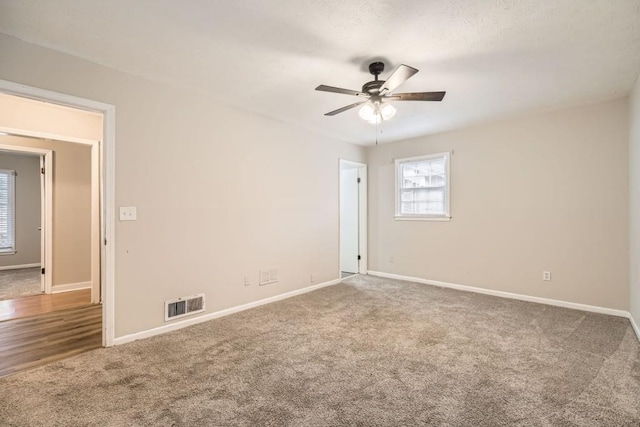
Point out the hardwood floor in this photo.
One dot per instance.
(39, 304)
(44, 338)
(41, 329)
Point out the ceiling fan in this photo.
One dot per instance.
(378, 92)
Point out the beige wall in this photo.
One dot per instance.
(634, 194)
(27, 213)
(547, 192)
(220, 193)
(71, 206)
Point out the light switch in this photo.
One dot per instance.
(127, 213)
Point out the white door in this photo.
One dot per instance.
(42, 225)
(349, 220)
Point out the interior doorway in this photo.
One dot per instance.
(19, 122)
(69, 236)
(353, 218)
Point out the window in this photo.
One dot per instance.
(422, 187)
(7, 211)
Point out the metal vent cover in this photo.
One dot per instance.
(183, 306)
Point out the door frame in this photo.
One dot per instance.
(43, 221)
(46, 209)
(103, 153)
(362, 214)
(95, 204)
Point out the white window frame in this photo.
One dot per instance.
(12, 208)
(447, 193)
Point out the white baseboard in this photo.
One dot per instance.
(210, 316)
(634, 325)
(539, 300)
(16, 267)
(67, 287)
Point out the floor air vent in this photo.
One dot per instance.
(184, 306)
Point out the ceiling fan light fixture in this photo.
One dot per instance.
(367, 112)
(387, 111)
(376, 113)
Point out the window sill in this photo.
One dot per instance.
(422, 218)
(7, 253)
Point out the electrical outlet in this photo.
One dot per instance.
(312, 279)
(392, 259)
(247, 281)
(546, 275)
(268, 276)
(128, 213)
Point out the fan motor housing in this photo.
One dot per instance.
(372, 87)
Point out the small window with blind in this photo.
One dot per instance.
(7, 211)
(422, 187)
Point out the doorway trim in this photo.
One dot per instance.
(46, 237)
(362, 214)
(106, 151)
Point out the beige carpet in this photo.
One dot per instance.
(18, 283)
(368, 352)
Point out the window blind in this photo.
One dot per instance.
(7, 210)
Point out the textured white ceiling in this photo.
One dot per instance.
(495, 58)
